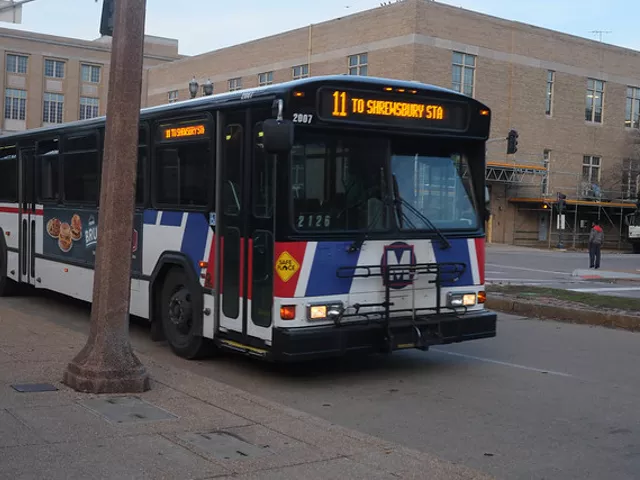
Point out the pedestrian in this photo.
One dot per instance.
(596, 239)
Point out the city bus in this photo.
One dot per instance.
(315, 218)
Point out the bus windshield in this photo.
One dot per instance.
(339, 183)
(356, 183)
(433, 189)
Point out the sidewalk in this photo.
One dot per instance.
(186, 427)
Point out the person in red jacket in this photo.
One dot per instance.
(596, 239)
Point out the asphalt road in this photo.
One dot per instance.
(543, 400)
(507, 264)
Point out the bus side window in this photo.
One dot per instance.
(80, 169)
(48, 168)
(232, 192)
(263, 194)
(141, 167)
(183, 175)
(8, 174)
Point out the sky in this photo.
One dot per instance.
(205, 25)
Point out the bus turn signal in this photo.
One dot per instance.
(288, 312)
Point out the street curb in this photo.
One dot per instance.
(564, 314)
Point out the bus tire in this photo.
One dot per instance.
(179, 316)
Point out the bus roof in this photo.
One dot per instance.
(254, 93)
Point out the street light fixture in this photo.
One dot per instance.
(193, 87)
(207, 88)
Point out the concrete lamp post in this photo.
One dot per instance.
(193, 87)
(107, 363)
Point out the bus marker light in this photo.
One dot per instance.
(203, 264)
(298, 94)
(65, 270)
(484, 113)
(482, 296)
(288, 312)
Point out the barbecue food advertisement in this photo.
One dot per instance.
(73, 236)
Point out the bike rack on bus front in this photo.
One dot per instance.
(443, 273)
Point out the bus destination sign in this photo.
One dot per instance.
(374, 107)
(174, 133)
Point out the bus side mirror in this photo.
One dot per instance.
(277, 135)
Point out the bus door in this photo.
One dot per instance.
(246, 229)
(231, 227)
(27, 216)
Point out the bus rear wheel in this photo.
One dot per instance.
(7, 286)
(180, 319)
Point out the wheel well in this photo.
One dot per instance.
(166, 264)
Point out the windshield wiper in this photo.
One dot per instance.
(444, 240)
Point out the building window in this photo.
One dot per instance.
(595, 96)
(15, 104)
(16, 63)
(359, 64)
(173, 96)
(265, 79)
(90, 73)
(463, 73)
(632, 114)
(300, 71)
(235, 84)
(89, 107)
(630, 178)
(591, 169)
(53, 68)
(53, 108)
(551, 76)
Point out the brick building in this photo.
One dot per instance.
(575, 102)
(48, 79)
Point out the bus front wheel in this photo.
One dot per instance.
(180, 319)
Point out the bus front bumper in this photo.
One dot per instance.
(308, 343)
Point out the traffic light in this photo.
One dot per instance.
(562, 202)
(106, 22)
(512, 142)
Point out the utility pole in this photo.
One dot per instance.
(107, 363)
(600, 33)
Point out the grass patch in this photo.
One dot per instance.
(586, 299)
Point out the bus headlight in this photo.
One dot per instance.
(461, 299)
(324, 311)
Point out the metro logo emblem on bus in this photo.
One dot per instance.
(395, 255)
(286, 266)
